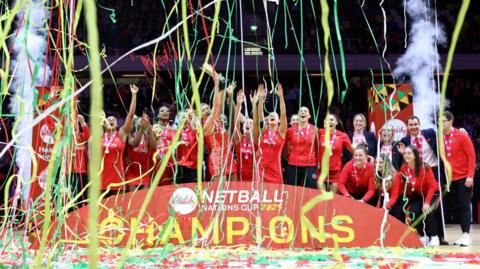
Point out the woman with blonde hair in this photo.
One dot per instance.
(361, 135)
(385, 183)
(271, 139)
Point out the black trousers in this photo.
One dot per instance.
(415, 212)
(461, 196)
(305, 176)
(185, 175)
(442, 180)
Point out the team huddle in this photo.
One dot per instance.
(403, 177)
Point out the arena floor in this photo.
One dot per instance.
(251, 257)
(454, 232)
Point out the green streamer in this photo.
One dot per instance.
(112, 13)
(96, 99)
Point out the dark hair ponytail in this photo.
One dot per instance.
(417, 161)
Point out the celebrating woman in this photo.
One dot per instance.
(419, 185)
(162, 141)
(271, 139)
(138, 171)
(356, 179)
(217, 140)
(338, 141)
(302, 148)
(361, 136)
(187, 150)
(294, 120)
(244, 144)
(113, 146)
(79, 169)
(387, 144)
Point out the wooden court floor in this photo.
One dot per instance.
(453, 232)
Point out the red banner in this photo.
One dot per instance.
(43, 139)
(392, 103)
(238, 213)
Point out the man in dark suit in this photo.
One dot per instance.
(426, 142)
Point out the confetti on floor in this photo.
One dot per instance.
(249, 257)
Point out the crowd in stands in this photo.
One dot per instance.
(135, 23)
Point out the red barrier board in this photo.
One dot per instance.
(43, 140)
(267, 215)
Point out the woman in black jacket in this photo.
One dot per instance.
(361, 136)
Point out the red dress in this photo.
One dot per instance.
(166, 138)
(187, 151)
(220, 156)
(113, 172)
(245, 155)
(139, 163)
(339, 141)
(270, 166)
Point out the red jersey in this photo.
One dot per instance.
(113, 171)
(303, 145)
(80, 151)
(245, 155)
(270, 146)
(355, 180)
(424, 184)
(139, 163)
(220, 158)
(187, 150)
(339, 141)
(166, 138)
(460, 153)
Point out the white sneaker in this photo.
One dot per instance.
(424, 240)
(459, 240)
(434, 241)
(464, 240)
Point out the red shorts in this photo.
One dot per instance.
(333, 176)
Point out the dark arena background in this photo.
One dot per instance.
(239, 133)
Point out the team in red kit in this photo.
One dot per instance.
(403, 177)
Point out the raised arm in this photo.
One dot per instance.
(237, 134)
(125, 129)
(152, 136)
(283, 112)
(208, 128)
(260, 94)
